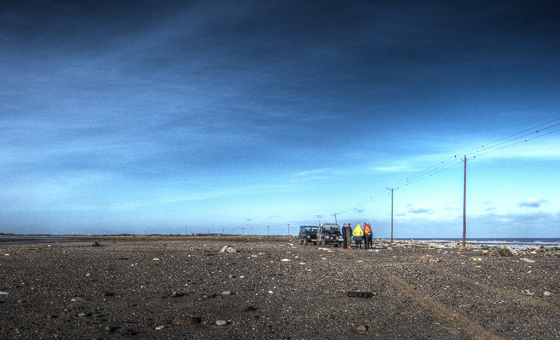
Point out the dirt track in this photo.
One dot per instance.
(123, 289)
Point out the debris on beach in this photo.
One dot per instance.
(365, 295)
(429, 258)
(227, 249)
(186, 320)
(524, 259)
(95, 244)
(176, 294)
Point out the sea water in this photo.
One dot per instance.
(493, 242)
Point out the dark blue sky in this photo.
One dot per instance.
(165, 116)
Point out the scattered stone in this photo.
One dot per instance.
(95, 244)
(159, 328)
(227, 292)
(4, 293)
(106, 294)
(221, 323)
(175, 294)
(51, 316)
(78, 299)
(524, 259)
(546, 293)
(476, 258)
(528, 292)
(155, 259)
(429, 258)
(227, 249)
(84, 314)
(285, 260)
(186, 320)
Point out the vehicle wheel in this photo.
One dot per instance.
(305, 242)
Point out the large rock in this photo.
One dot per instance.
(504, 250)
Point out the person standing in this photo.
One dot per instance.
(348, 236)
(358, 234)
(367, 235)
(344, 241)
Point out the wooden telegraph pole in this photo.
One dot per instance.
(465, 202)
(392, 189)
(335, 221)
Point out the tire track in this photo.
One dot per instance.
(438, 309)
(497, 290)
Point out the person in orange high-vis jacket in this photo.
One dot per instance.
(367, 235)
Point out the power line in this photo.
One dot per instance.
(452, 160)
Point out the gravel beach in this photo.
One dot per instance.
(274, 288)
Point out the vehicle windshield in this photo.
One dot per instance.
(311, 229)
(332, 229)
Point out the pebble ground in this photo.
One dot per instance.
(271, 288)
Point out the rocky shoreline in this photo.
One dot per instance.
(270, 287)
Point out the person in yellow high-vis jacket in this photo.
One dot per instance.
(358, 235)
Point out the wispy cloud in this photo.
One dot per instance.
(532, 202)
(419, 209)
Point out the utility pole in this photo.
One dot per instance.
(392, 189)
(335, 221)
(465, 201)
(288, 229)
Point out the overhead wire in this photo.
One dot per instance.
(446, 164)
